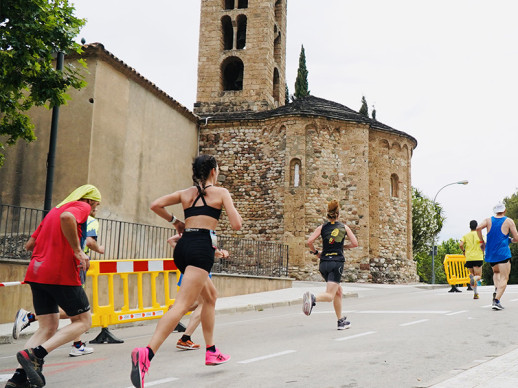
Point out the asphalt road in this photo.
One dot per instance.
(401, 336)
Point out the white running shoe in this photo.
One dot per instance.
(308, 301)
(21, 321)
(343, 324)
(80, 351)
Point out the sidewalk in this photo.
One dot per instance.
(498, 372)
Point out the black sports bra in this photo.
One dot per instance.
(204, 210)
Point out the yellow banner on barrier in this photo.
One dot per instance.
(131, 290)
(455, 271)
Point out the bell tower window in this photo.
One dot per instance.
(394, 186)
(229, 4)
(295, 171)
(241, 32)
(228, 33)
(233, 70)
(276, 91)
(242, 4)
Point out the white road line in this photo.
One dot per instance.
(486, 306)
(355, 336)
(266, 357)
(458, 312)
(159, 382)
(514, 300)
(4, 378)
(404, 312)
(414, 322)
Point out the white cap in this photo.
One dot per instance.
(499, 208)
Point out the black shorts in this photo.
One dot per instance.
(194, 248)
(47, 297)
(474, 263)
(331, 270)
(500, 262)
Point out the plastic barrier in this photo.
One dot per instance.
(455, 271)
(126, 272)
(10, 284)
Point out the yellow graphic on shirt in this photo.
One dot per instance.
(337, 235)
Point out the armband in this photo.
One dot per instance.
(173, 220)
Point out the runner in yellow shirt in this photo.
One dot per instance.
(470, 245)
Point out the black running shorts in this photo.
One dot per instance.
(194, 248)
(473, 263)
(47, 297)
(500, 262)
(331, 270)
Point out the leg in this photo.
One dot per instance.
(193, 281)
(337, 302)
(504, 269)
(331, 296)
(48, 325)
(208, 312)
(194, 320)
(79, 324)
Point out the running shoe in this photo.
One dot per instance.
(476, 296)
(32, 366)
(12, 384)
(187, 345)
(308, 302)
(139, 366)
(20, 322)
(343, 324)
(215, 358)
(497, 305)
(80, 351)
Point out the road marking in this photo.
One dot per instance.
(159, 382)
(514, 300)
(4, 378)
(458, 312)
(266, 357)
(355, 336)
(414, 322)
(404, 312)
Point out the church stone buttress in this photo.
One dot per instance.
(242, 56)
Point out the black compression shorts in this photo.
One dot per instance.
(194, 248)
(47, 297)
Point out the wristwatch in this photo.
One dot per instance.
(173, 220)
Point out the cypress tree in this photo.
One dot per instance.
(301, 83)
(364, 110)
(287, 96)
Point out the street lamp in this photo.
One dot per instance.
(464, 182)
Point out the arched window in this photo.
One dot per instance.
(276, 91)
(229, 4)
(228, 33)
(241, 32)
(233, 71)
(295, 172)
(394, 186)
(242, 4)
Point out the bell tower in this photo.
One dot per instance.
(242, 56)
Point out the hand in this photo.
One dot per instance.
(84, 260)
(101, 249)
(173, 240)
(179, 226)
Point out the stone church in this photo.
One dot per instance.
(282, 163)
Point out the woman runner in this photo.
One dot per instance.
(194, 257)
(331, 262)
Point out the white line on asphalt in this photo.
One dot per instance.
(414, 322)
(1, 358)
(355, 336)
(486, 306)
(4, 378)
(458, 312)
(266, 357)
(514, 300)
(159, 382)
(404, 312)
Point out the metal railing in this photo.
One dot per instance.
(127, 240)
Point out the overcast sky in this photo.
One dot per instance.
(443, 71)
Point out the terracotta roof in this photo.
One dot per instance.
(310, 106)
(98, 50)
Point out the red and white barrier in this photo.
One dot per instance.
(8, 284)
(129, 266)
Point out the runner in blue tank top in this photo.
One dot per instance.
(497, 249)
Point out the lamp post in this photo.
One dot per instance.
(464, 182)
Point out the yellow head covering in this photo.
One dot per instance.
(86, 192)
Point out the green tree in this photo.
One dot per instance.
(427, 222)
(424, 261)
(373, 114)
(364, 110)
(31, 33)
(301, 83)
(287, 96)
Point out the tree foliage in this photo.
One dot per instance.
(287, 96)
(427, 222)
(364, 110)
(301, 82)
(31, 33)
(424, 261)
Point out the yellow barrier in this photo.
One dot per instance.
(129, 306)
(455, 271)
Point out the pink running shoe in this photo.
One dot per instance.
(139, 366)
(216, 358)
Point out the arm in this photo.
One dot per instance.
(69, 229)
(92, 244)
(173, 240)
(352, 238)
(461, 245)
(233, 216)
(313, 237)
(29, 245)
(512, 230)
(481, 226)
(159, 207)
